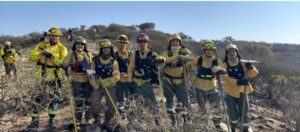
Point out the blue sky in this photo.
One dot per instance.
(254, 21)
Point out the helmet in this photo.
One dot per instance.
(231, 46)
(122, 39)
(105, 43)
(142, 38)
(7, 43)
(80, 39)
(209, 45)
(55, 31)
(175, 36)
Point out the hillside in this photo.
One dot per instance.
(273, 106)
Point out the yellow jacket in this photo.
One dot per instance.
(9, 58)
(80, 77)
(1, 52)
(59, 52)
(124, 76)
(205, 85)
(175, 71)
(230, 84)
(131, 67)
(110, 81)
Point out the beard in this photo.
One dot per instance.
(232, 58)
(175, 49)
(105, 56)
(52, 42)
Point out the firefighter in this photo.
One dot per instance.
(49, 56)
(174, 83)
(107, 72)
(81, 86)
(234, 86)
(10, 55)
(124, 88)
(205, 82)
(141, 71)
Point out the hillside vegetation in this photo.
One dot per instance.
(278, 81)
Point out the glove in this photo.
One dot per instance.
(183, 58)
(106, 83)
(65, 65)
(159, 60)
(180, 62)
(218, 70)
(242, 81)
(94, 81)
(183, 51)
(174, 63)
(249, 65)
(47, 54)
(140, 72)
(90, 72)
(215, 69)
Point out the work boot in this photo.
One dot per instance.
(97, 123)
(72, 126)
(88, 122)
(52, 123)
(173, 119)
(172, 114)
(33, 124)
(185, 115)
(217, 124)
(157, 119)
(121, 109)
(233, 129)
(106, 126)
(245, 129)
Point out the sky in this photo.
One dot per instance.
(252, 21)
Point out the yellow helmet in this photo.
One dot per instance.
(175, 36)
(122, 39)
(105, 43)
(231, 46)
(7, 43)
(80, 39)
(209, 45)
(55, 31)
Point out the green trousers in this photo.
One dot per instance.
(47, 95)
(81, 93)
(125, 89)
(213, 98)
(10, 67)
(171, 90)
(234, 108)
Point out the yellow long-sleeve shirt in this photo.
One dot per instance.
(1, 52)
(230, 84)
(80, 77)
(59, 52)
(110, 81)
(203, 84)
(131, 67)
(175, 71)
